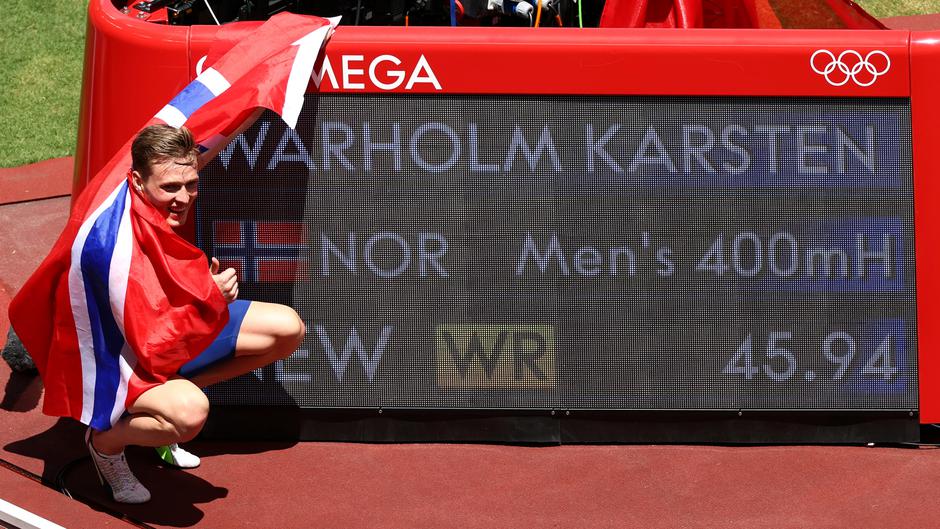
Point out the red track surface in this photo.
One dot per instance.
(915, 23)
(36, 181)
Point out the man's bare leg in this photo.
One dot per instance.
(172, 412)
(175, 411)
(268, 333)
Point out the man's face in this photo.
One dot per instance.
(171, 188)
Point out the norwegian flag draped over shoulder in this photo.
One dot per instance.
(122, 301)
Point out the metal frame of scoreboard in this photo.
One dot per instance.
(133, 67)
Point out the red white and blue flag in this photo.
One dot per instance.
(122, 301)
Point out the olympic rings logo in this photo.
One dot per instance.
(850, 66)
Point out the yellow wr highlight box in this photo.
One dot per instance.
(495, 356)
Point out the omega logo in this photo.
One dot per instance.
(384, 72)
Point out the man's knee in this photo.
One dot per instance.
(291, 333)
(188, 414)
(273, 330)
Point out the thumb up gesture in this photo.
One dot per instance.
(226, 280)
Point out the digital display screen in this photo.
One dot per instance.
(609, 253)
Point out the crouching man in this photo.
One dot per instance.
(165, 174)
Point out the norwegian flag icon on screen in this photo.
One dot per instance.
(261, 251)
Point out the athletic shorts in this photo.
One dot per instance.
(223, 347)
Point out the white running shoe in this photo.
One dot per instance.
(176, 456)
(114, 470)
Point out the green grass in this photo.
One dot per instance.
(41, 51)
(899, 8)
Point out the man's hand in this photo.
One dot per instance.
(227, 281)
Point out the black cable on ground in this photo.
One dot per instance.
(23, 472)
(59, 484)
(60, 476)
